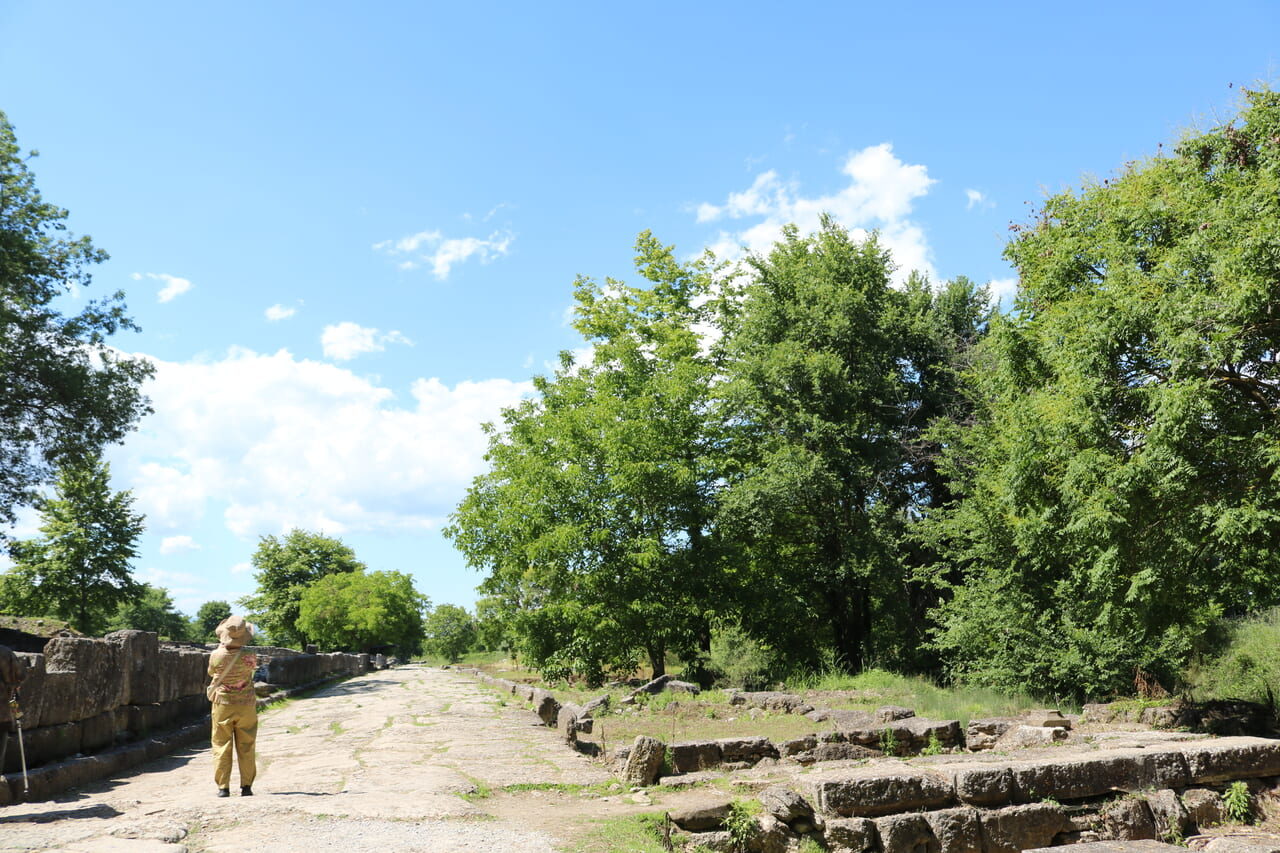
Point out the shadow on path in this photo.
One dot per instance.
(100, 811)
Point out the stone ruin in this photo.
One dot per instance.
(92, 708)
(994, 786)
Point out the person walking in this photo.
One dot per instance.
(234, 706)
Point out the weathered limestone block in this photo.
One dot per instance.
(703, 818)
(82, 678)
(834, 752)
(363, 666)
(600, 703)
(102, 730)
(1230, 758)
(957, 830)
(980, 784)
(183, 672)
(748, 749)
(920, 733)
(1116, 847)
(653, 688)
(983, 734)
(1128, 819)
(785, 804)
(1172, 820)
(1016, 828)
(854, 834)
(797, 746)
(771, 836)
(644, 762)
(1204, 807)
(770, 700)
(893, 713)
(1249, 844)
(567, 722)
(873, 791)
(1029, 737)
(525, 692)
(906, 833)
(716, 842)
(1051, 718)
(32, 693)
(692, 756)
(1077, 776)
(44, 745)
(545, 706)
(682, 687)
(139, 652)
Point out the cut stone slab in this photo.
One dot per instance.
(879, 790)
(1115, 847)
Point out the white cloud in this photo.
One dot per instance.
(443, 253)
(173, 286)
(346, 340)
(1003, 290)
(177, 544)
(975, 197)
(241, 568)
(274, 442)
(279, 312)
(879, 195)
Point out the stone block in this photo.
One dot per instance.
(644, 762)
(983, 734)
(785, 804)
(567, 722)
(980, 784)
(906, 833)
(874, 791)
(856, 834)
(1204, 807)
(95, 667)
(1116, 847)
(1128, 819)
(44, 745)
(797, 745)
(748, 749)
(545, 706)
(1231, 758)
(957, 830)
(1172, 820)
(770, 700)
(702, 818)
(692, 756)
(99, 731)
(715, 842)
(893, 713)
(835, 752)
(139, 654)
(1016, 828)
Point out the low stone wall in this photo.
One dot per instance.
(83, 696)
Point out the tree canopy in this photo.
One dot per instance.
(64, 393)
(355, 611)
(78, 569)
(286, 568)
(1117, 492)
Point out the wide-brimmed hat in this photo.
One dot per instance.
(234, 632)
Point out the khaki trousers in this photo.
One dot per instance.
(234, 726)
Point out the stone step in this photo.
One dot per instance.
(1113, 847)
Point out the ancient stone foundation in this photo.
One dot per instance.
(92, 708)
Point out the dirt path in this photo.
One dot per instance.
(376, 763)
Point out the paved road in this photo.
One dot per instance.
(382, 762)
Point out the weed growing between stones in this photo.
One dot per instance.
(741, 822)
(888, 742)
(934, 747)
(1237, 803)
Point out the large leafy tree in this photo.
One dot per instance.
(207, 618)
(355, 611)
(286, 566)
(64, 393)
(450, 631)
(835, 376)
(78, 569)
(594, 519)
(1119, 490)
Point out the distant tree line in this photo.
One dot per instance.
(796, 454)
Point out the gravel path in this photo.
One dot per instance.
(377, 763)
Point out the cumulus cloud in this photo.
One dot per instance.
(975, 197)
(441, 254)
(177, 544)
(347, 340)
(1003, 290)
(879, 195)
(173, 286)
(273, 442)
(279, 312)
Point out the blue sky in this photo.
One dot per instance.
(350, 232)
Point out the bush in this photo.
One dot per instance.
(738, 660)
(1248, 665)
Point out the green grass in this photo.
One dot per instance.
(641, 833)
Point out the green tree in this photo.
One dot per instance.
(286, 567)
(594, 519)
(78, 569)
(1117, 493)
(355, 611)
(450, 631)
(151, 610)
(834, 377)
(64, 394)
(207, 618)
